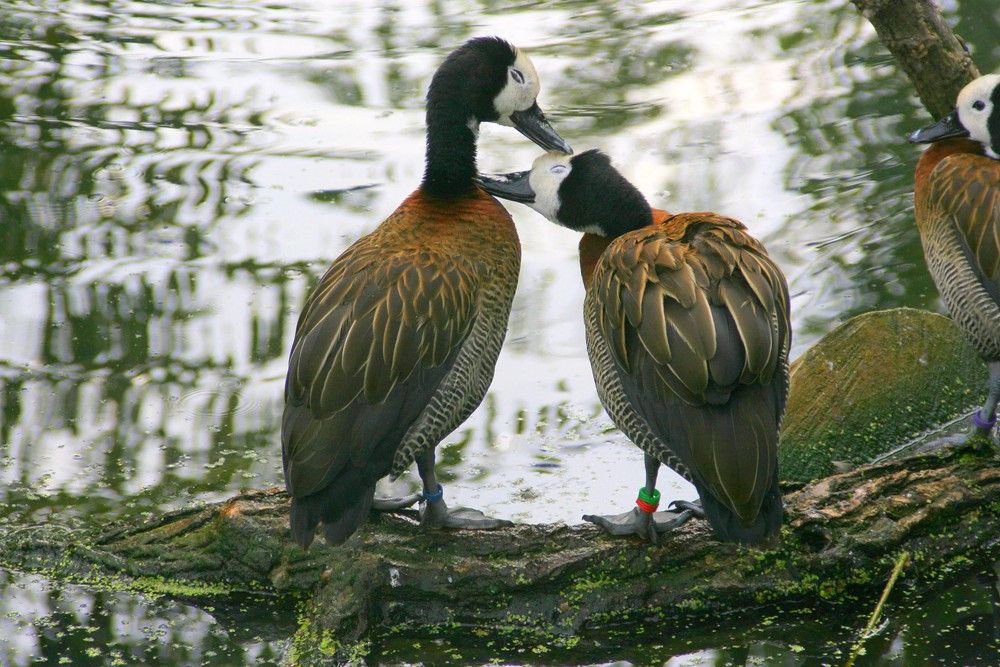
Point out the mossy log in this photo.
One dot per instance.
(551, 585)
(925, 47)
(556, 586)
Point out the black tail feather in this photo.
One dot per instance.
(303, 522)
(727, 525)
(342, 507)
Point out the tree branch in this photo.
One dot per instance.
(925, 47)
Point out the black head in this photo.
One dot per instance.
(472, 76)
(582, 192)
(488, 80)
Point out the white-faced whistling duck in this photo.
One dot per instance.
(957, 206)
(396, 345)
(688, 331)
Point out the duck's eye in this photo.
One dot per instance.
(517, 76)
(979, 105)
(558, 169)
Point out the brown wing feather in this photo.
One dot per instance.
(698, 325)
(375, 321)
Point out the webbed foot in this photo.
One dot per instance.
(947, 441)
(974, 442)
(434, 514)
(647, 525)
(693, 506)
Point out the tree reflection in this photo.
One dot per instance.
(611, 50)
(79, 626)
(110, 190)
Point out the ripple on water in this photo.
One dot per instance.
(222, 401)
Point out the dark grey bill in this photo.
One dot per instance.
(532, 124)
(513, 186)
(947, 127)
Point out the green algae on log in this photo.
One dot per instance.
(575, 588)
(873, 383)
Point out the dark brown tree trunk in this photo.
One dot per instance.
(924, 47)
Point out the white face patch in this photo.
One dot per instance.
(547, 175)
(975, 107)
(520, 91)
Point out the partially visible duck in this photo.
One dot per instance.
(957, 206)
(396, 345)
(688, 332)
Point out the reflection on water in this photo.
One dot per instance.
(77, 626)
(174, 177)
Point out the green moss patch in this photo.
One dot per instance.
(872, 384)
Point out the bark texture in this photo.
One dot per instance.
(925, 47)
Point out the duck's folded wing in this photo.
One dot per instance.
(965, 190)
(698, 328)
(372, 345)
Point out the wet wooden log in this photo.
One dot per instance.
(925, 47)
(553, 585)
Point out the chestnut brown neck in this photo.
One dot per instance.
(660, 216)
(938, 151)
(592, 247)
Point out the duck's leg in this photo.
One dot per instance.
(643, 520)
(986, 418)
(983, 421)
(435, 513)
